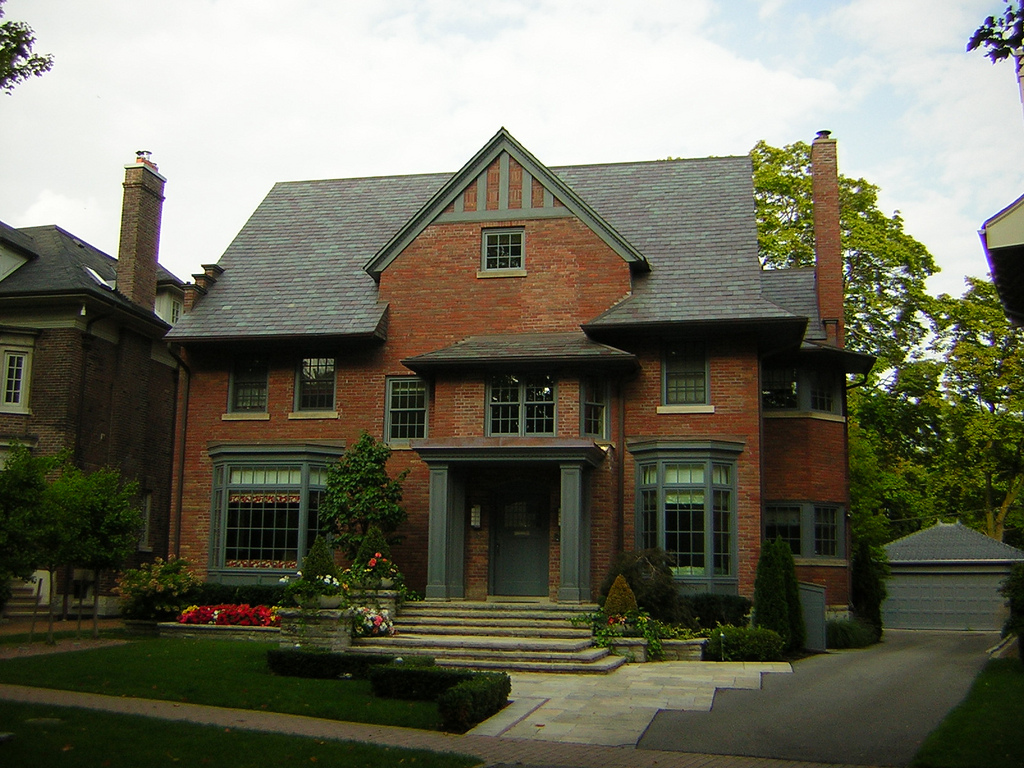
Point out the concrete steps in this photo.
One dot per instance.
(513, 636)
(23, 601)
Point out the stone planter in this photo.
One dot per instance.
(142, 627)
(633, 648)
(330, 601)
(316, 630)
(683, 650)
(375, 598)
(219, 632)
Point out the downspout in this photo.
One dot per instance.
(183, 430)
(621, 491)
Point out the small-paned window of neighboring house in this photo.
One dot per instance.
(249, 386)
(316, 384)
(687, 507)
(15, 379)
(520, 405)
(810, 530)
(800, 389)
(685, 377)
(407, 409)
(503, 249)
(145, 543)
(175, 311)
(594, 399)
(265, 513)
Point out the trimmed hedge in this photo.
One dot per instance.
(710, 610)
(289, 662)
(415, 682)
(744, 644)
(849, 633)
(244, 594)
(473, 701)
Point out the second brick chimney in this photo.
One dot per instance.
(140, 231)
(828, 246)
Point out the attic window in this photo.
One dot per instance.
(502, 250)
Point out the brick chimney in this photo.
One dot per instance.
(828, 247)
(140, 231)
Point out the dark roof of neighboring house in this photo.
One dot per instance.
(299, 265)
(523, 348)
(60, 264)
(950, 542)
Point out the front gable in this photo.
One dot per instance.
(502, 181)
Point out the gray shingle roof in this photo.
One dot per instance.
(794, 290)
(950, 542)
(296, 267)
(60, 266)
(549, 348)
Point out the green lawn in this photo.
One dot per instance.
(984, 730)
(52, 737)
(219, 673)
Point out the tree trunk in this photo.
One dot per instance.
(49, 629)
(96, 603)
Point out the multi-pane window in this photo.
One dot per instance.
(503, 249)
(687, 507)
(15, 368)
(786, 387)
(594, 402)
(249, 386)
(779, 387)
(823, 392)
(520, 405)
(407, 409)
(265, 515)
(810, 530)
(315, 391)
(685, 375)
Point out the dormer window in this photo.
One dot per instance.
(503, 250)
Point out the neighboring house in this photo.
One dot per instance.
(1002, 237)
(947, 577)
(571, 362)
(85, 368)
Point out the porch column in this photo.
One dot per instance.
(575, 537)
(445, 536)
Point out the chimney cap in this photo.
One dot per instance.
(823, 135)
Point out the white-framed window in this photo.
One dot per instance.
(810, 529)
(406, 415)
(594, 408)
(686, 504)
(16, 359)
(792, 388)
(248, 386)
(684, 378)
(315, 384)
(503, 250)
(175, 311)
(521, 405)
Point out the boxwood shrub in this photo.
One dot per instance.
(743, 644)
(849, 633)
(464, 705)
(404, 681)
(289, 662)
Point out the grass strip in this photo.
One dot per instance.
(48, 736)
(985, 728)
(220, 673)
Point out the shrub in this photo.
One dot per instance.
(289, 662)
(319, 561)
(210, 593)
(1013, 590)
(157, 590)
(849, 633)
(473, 701)
(867, 592)
(797, 629)
(649, 574)
(414, 682)
(743, 644)
(710, 610)
(777, 594)
(374, 545)
(621, 599)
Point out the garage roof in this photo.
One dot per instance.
(950, 542)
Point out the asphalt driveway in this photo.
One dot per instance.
(867, 707)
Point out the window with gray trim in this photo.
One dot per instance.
(503, 249)
(314, 390)
(685, 374)
(248, 386)
(521, 405)
(264, 511)
(594, 407)
(406, 415)
(810, 530)
(787, 387)
(687, 506)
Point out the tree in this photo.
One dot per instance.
(1003, 36)
(771, 591)
(17, 62)
(360, 493)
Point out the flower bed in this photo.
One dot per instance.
(372, 622)
(231, 615)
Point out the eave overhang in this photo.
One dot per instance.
(489, 450)
(92, 306)
(857, 363)
(1002, 237)
(772, 333)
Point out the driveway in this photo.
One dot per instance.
(867, 707)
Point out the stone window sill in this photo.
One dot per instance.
(686, 409)
(486, 273)
(245, 417)
(313, 415)
(819, 415)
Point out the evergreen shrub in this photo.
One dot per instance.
(1013, 590)
(404, 681)
(743, 644)
(621, 599)
(771, 610)
(797, 629)
(710, 610)
(209, 593)
(849, 633)
(649, 574)
(473, 701)
(373, 543)
(867, 589)
(319, 561)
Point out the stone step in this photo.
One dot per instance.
(471, 608)
(487, 643)
(493, 627)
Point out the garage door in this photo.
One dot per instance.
(944, 601)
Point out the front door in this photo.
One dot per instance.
(520, 546)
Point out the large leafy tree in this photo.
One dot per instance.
(17, 61)
(23, 485)
(1002, 37)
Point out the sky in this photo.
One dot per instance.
(231, 96)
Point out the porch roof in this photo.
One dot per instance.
(505, 449)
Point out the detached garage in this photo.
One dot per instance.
(947, 577)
